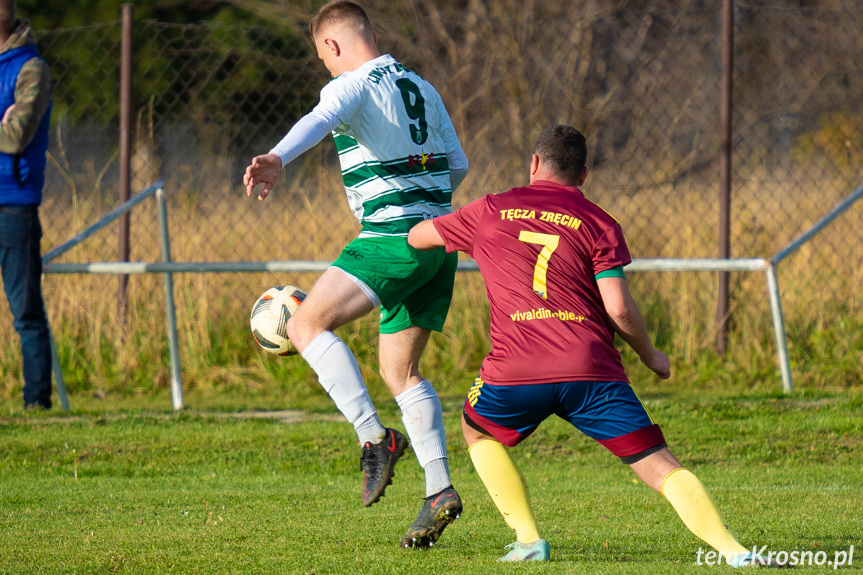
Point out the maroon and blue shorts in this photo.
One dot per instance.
(608, 412)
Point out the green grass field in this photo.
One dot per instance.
(129, 487)
(121, 484)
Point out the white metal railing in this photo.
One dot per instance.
(167, 267)
(155, 189)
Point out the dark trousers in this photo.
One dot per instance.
(21, 267)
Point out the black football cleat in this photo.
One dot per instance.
(437, 512)
(378, 462)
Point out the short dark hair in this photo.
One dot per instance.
(563, 150)
(338, 11)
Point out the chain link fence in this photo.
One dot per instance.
(642, 84)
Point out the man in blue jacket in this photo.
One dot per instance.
(25, 105)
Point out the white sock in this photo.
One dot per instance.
(340, 377)
(423, 418)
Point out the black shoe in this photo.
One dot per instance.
(37, 405)
(378, 462)
(437, 512)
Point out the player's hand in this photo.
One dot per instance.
(6, 114)
(263, 170)
(658, 363)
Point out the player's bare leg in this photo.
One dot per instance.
(399, 356)
(664, 473)
(333, 301)
(422, 415)
(508, 490)
(654, 468)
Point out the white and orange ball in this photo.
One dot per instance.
(270, 316)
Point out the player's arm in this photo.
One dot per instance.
(307, 132)
(458, 166)
(339, 101)
(424, 236)
(32, 97)
(455, 156)
(455, 232)
(628, 322)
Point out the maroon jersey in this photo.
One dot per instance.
(539, 249)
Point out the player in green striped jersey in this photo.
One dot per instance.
(400, 160)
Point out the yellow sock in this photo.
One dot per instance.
(699, 512)
(506, 486)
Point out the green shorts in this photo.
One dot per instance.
(414, 286)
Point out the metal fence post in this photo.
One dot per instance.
(779, 328)
(126, 94)
(170, 308)
(722, 304)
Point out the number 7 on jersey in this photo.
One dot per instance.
(549, 243)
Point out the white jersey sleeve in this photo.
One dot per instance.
(307, 132)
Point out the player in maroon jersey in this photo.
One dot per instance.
(553, 262)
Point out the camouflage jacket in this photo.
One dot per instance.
(32, 95)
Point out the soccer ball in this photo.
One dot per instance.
(270, 316)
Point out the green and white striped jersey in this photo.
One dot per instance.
(395, 144)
